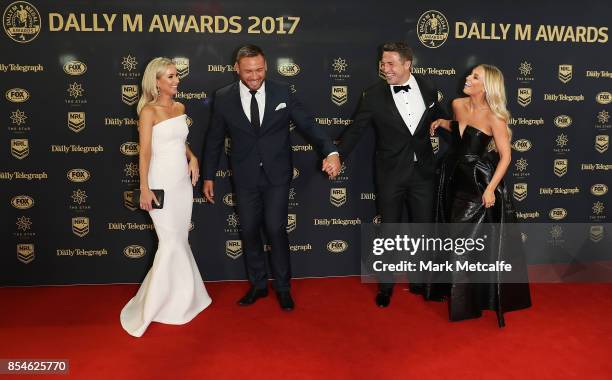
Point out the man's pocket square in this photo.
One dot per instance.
(280, 106)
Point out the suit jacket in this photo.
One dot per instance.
(395, 145)
(268, 146)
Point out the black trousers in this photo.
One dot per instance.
(411, 201)
(265, 206)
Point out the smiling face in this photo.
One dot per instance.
(168, 82)
(396, 69)
(474, 83)
(252, 71)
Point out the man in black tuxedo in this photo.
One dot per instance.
(400, 109)
(255, 112)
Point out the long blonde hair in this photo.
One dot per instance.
(156, 68)
(495, 93)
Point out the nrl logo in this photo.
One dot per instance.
(601, 143)
(25, 253)
(20, 148)
(596, 233)
(565, 73)
(233, 248)
(435, 143)
(560, 167)
(337, 196)
(339, 95)
(129, 94)
(291, 222)
(128, 200)
(520, 191)
(80, 226)
(182, 66)
(524, 96)
(76, 121)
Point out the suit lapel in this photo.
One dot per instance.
(244, 120)
(270, 102)
(426, 95)
(392, 107)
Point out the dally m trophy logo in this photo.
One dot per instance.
(337, 196)
(80, 226)
(560, 167)
(565, 73)
(182, 66)
(520, 191)
(596, 233)
(25, 253)
(339, 95)
(601, 143)
(128, 200)
(432, 29)
(21, 21)
(129, 94)
(76, 121)
(291, 222)
(233, 248)
(524, 96)
(20, 148)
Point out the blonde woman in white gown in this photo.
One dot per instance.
(173, 291)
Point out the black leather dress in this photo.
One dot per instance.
(464, 175)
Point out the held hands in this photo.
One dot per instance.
(146, 199)
(331, 165)
(194, 170)
(439, 123)
(208, 190)
(488, 198)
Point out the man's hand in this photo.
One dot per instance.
(208, 190)
(331, 165)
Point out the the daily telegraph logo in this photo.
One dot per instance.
(76, 121)
(22, 202)
(520, 191)
(233, 248)
(17, 95)
(75, 68)
(432, 29)
(20, 148)
(182, 66)
(565, 73)
(134, 251)
(80, 226)
(337, 196)
(129, 94)
(560, 167)
(339, 95)
(25, 253)
(21, 21)
(288, 69)
(524, 96)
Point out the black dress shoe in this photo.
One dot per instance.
(252, 295)
(383, 298)
(285, 301)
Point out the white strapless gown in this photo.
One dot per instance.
(173, 291)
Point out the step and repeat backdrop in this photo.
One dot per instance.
(70, 75)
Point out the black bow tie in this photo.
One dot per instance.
(400, 88)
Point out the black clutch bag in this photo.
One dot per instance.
(159, 194)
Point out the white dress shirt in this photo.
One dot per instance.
(245, 99)
(410, 104)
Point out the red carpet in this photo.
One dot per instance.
(336, 331)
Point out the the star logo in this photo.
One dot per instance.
(23, 223)
(129, 63)
(525, 68)
(18, 117)
(561, 140)
(75, 90)
(232, 220)
(131, 170)
(556, 231)
(79, 196)
(603, 116)
(292, 194)
(339, 65)
(521, 164)
(598, 208)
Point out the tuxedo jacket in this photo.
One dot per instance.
(395, 145)
(266, 147)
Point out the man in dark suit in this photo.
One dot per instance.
(400, 109)
(255, 112)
